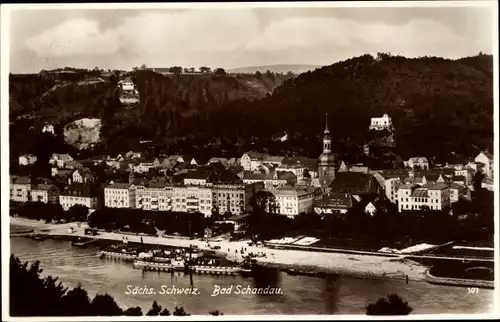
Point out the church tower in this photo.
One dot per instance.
(326, 162)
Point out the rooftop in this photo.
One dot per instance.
(335, 200)
(439, 186)
(354, 182)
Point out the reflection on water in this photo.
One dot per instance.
(301, 295)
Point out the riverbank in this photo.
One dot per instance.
(333, 263)
(458, 281)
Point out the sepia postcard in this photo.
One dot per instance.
(260, 160)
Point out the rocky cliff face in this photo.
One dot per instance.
(83, 134)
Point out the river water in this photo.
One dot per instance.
(300, 295)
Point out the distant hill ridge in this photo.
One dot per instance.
(294, 68)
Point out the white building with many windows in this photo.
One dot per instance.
(381, 123)
(78, 195)
(119, 195)
(234, 197)
(46, 193)
(20, 189)
(435, 196)
(293, 201)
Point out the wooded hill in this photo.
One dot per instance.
(438, 106)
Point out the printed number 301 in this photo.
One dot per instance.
(472, 290)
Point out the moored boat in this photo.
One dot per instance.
(149, 265)
(119, 252)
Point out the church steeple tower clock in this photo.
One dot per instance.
(326, 162)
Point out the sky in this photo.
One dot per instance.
(239, 37)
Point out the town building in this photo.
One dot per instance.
(458, 191)
(293, 201)
(223, 161)
(390, 180)
(199, 199)
(485, 159)
(127, 84)
(359, 185)
(381, 123)
(301, 167)
(119, 195)
(48, 128)
(434, 196)
(79, 194)
(196, 178)
(375, 206)
(27, 159)
(144, 166)
(162, 163)
(60, 159)
(417, 162)
(234, 197)
(272, 180)
(326, 162)
(240, 222)
(46, 193)
(83, 175)
(252, 160)
(334, 203)
(20, 188)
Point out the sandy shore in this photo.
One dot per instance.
(342, 264)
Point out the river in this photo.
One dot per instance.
(301, 295)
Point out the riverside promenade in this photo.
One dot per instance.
(371, 266)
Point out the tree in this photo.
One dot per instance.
(78, 212)
(143, 67)
(77, 303)
(477, 181)
(176, 70)
(392, 305)
(133, 311)
(165, 312)
(220, 71)
(105, 305)
(216, 313)
(186, 70)
(205, 69)
(191, 69)
(179, 311)
(155, 309)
